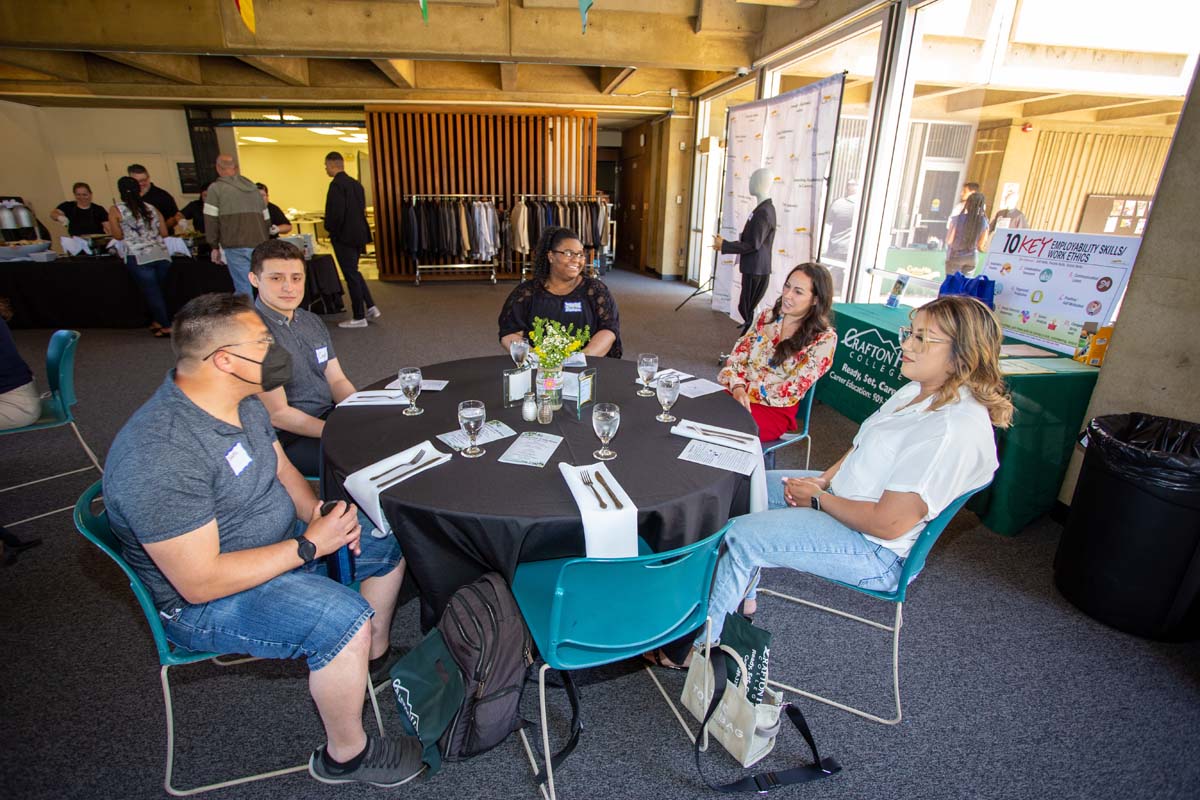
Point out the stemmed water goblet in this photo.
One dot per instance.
(410, 384)
(606, 418)
(471, 416)
(519, 350)
(668, 393)
(647, 368)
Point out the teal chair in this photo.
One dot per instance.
(94, 526)
(913, 565)
(56, 408)
(588, 612)
(803, 415)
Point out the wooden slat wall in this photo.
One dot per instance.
(502, 153)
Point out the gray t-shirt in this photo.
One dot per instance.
(174, 467)
(307, 339)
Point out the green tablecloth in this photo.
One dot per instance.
(1034, 452)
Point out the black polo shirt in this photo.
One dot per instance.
(162, 200)
(83, 221)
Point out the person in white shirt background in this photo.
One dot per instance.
(930, 443)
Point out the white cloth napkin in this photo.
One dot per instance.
(74, 245)
(365, 491)
(375, 398)
(758, 478)
(119, 247)
(607, 532)
(177, 247)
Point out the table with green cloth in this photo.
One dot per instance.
(1033, 453)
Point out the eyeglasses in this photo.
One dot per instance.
(920, 342)
(570, 255)
(268, 340)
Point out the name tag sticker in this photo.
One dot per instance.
(322, 355)
(575, 306)
(238, 458)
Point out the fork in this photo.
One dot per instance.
(420, 454)
(587, 481)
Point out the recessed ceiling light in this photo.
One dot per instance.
(262, 139)
(326, 131)
(289, 117)
(352, 140)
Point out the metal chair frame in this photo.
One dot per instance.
(803, 411)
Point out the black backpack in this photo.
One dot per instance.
(487, 638)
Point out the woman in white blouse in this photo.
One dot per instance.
(930, 443)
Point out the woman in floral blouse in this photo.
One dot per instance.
(780, 358)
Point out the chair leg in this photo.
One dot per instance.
(546, 730)
(375, 703)
(43, 480)
(894, 629)
(671, 703)
(171, 790)
(807, 451)
(86, 449)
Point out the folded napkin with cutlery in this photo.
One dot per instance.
(609, 515)
(726, 437)
(366, 484)
(375, 398)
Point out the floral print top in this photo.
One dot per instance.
(782, 386)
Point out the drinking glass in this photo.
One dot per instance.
(647, 369)
(519, 350)
(410, 384)
(668, 393)
(471, 416)
(606, 418)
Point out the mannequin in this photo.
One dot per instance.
(754, 247)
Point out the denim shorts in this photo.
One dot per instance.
(299, 614)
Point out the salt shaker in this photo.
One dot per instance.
(529, 408)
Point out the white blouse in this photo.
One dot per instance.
(937, 455)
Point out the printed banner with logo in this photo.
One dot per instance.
(1049, 284)
(793, 136)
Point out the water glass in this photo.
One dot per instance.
(606, 418)
(410, 384)
(519, 350)
(668, 393)
(647, 369)
(471, 416)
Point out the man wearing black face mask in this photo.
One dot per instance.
(228, 536)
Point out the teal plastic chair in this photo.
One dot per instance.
(913, 565)
(94, 526)
(56, 408)
(803, 415)
(588, 612)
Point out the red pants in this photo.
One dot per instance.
(773, 421)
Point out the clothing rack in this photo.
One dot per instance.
(592, 267)
(469, 266)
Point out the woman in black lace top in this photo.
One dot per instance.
(559, 291)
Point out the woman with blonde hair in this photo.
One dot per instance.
(927, 445)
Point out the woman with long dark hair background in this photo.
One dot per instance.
(142, 228)
(966, 234)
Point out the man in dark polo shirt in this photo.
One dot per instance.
(226, 534)
(155, 196)
(298, 408)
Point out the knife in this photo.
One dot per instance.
(607, 488)
(405, 474)
(710, 432)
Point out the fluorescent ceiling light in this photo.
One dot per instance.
(289, 117)
(350, 130)
(352, 140)
(326, 131)
(262, 139)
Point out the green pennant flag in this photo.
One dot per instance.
(584, 5)
(424, 10)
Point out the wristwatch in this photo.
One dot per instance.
(306, 549)
(815, 500)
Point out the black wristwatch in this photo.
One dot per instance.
(306, 549)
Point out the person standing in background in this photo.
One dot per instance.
(280, 224)
(235, 222)
(155, 196)
(346, 221)
(81, 217)
(753, 248)
(140, 225)
(966, 234)
(193, 212)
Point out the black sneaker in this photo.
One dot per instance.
(388, 762)
(381, 666)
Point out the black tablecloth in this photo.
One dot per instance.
(470, 516)
(98, 291)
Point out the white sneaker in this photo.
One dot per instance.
(353, 323)
(374, 313)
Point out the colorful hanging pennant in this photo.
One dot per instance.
(424, 10)
(584, 6)
(246, 10)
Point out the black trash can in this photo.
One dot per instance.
(1130, 553)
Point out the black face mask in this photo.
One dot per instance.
(276, 367)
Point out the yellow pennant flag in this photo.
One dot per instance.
(246, 9)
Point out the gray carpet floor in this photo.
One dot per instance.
(1009, 691)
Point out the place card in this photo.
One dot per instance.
(493, 429)
(699, 388)
(531, 449)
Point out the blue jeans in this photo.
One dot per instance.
(797, 538)
(301, 613)
(237, 260)
(151, 279)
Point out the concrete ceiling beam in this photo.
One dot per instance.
(971, 99)
(1071, 103)
(290, 70)
(64, 66)
(611, 78)
(508, 76)
(182, 69)
(1148, 109)
(720, 18)
(400, 71)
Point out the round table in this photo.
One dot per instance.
(467, 517)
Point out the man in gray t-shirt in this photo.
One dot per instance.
(228, 536)
(298, 408)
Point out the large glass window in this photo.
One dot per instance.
(1057, 113)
